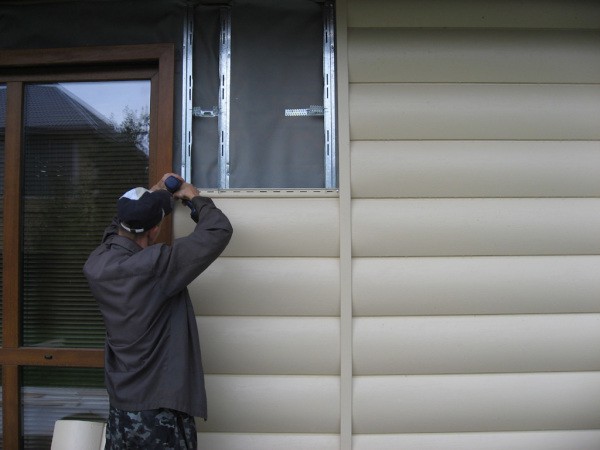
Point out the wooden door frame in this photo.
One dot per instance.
(157, 61)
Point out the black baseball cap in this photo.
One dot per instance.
(139, 209)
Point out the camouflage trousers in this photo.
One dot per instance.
(163, 429)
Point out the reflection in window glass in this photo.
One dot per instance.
(80, 153)
(2, 127)
(52, 393)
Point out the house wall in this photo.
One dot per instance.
(447, 297)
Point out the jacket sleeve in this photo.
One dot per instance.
(189, 256)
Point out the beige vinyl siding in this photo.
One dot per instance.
(237, 345)
(458, 168)
(474, 129)
(268, 318)
(466, 403)
(529, 14)
(447, 296)
(476, 227)
(269, 287)
(548, 440)
(437, 286)
(273, 404)
(437, 345)
(267, 441)
(474, 55)
(271, 227)
(478, 111)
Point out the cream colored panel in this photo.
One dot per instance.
(272, 404)
(270, 345)
(479, 285)
(476, 403)
(533, 440)
(276, 226)
(259, 441)
(476, 344)
(475, 169)
(474, 111)
(473, 13)
(469, 55)
(268, 287)
(453, 227)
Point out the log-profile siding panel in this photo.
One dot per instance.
(268, 287)
(270, 345)
(476, 403)
(262, 441)
(393, 55)
(429, 169)
(476, 344)
(522, 440)
(578, 14)
(476, 285)
(277, 227)
(272, 404)
(389, 111)
(470, 227)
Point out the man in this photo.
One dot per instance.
(153, 368)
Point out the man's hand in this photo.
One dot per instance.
(161, 183)
(187, 191)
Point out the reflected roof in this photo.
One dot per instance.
(53, 107)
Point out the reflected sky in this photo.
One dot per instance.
(110, 98)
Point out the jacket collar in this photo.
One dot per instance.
(125, 243)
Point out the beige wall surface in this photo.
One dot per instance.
(474, 146)
(447, 296)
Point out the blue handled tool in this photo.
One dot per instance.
(173, 184)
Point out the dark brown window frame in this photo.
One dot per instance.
(155, 62)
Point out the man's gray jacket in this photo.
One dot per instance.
(152, 347)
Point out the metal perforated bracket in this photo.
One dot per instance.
(186, 95)
(199, 112)
(224, 96)
(312, 110)
(329, 95)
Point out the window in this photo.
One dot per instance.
(259, 95)
(77, 135)
(84, 144)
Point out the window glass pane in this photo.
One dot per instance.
(84, 145)
(53, 393)
(2, 127)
